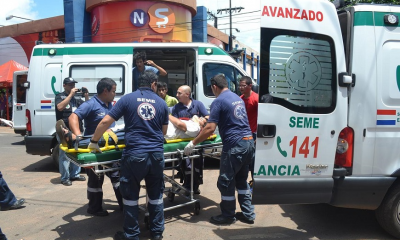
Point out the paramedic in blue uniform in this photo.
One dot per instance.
(66, 103)
(7, 201)
(92, 112)
(229, 113)
(142, 64)
(186, 109)
(146, 121)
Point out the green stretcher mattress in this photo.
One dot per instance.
(88, 158)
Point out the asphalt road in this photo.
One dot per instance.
(53, 211)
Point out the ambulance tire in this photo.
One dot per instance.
(54, 155)
(388, 213)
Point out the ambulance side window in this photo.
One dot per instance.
(298, 70)
(89, 75)
(232, 75)
(21, 90)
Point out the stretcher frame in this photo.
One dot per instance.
(212, 150)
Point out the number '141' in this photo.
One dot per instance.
(304, 149)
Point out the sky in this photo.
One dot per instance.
(30, 9)
(246, 21)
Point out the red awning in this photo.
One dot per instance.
(7, 70)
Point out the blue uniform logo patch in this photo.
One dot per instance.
(146, 111)
(240, 111)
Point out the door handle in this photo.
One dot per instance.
(266, 131)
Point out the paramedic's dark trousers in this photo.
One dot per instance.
(148, 166)
(7, 197)
(197, 173)
(234, 171)
(2, 236)
(95, 188)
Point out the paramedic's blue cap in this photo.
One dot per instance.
(69, 80)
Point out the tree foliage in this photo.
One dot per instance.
(352, 2)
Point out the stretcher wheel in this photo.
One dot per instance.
(197, 208)
(171, 196)
(147, 222)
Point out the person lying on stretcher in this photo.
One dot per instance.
(184, 128)
(177, 129)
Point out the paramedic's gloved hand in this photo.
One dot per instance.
(189, 148)
(94, 147)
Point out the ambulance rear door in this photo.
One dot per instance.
(18, 101)
(302, 108)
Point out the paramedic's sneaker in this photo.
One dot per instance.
(157, 237)
(220, 219)
(101, 213)
(120, 236)
(66, 183)
(18, 204)
(80, 178)
(239, 216)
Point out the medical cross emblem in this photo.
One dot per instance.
(240, 111)
(146, 111)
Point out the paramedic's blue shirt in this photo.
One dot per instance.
(196, 108)
(229, 112)
(136, 73)
(144, 115)
(92, 112)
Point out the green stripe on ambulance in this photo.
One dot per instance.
(280, 170)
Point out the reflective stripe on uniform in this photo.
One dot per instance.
(247, 191)
(94, 189)
(156, 202)
(115, 185)
(188, 172)
(228, 198)
(129, 202)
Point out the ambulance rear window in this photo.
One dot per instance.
(298, 70)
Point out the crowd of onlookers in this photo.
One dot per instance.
(4, 104)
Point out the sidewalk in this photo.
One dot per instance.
(6, 129)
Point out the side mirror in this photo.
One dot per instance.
(346, 80)
(338, 3)
(26, 85)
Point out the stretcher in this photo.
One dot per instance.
(173, 153)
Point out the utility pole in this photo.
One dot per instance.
(230, 9)
(230, 26)
(215, 19)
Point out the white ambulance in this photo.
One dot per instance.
(192, 64)
(331, 133)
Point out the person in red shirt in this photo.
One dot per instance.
(250, 99)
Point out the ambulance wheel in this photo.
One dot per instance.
(388, 213)
(171, 196)
(147, 222)
(54, 155)
(197, 208)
